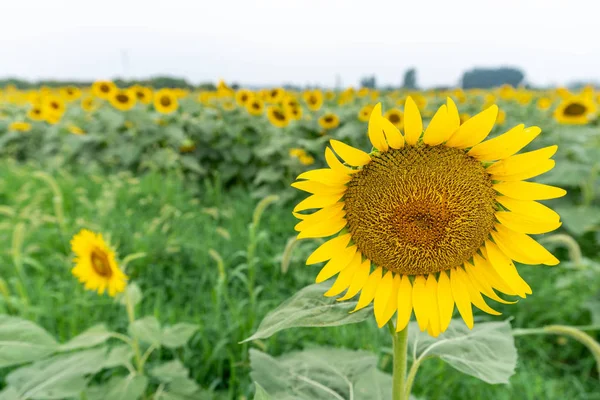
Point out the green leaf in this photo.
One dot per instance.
(486, 352)
(178, 335)
(9, 393)
(62, 376)
(22, 341)
(310, 308)
(192, 164)
(94, 336)
(594, 307)
(147, 330)
(131, 387)
(118, 356)
(132, 291)
(169, 371)
(580, 219)
(260, 393)
(373, 385)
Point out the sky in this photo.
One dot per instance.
(305, 42)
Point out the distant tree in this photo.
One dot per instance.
(410, 79)
(492, 77)
(368, 82)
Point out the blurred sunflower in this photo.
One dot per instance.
(277, 116)
(255, 106)
(429, 220)
(365, 113)
(123, 100)
(395, 116)
(54, 106)
(242, 97)
(313, 99)
(165, 101)
(142, 94)
(501, 118)
(464, 117)
(575, 110)
(302, 156)
(506, 92)
(275, 95)
(329, 95)
(329, 121)
(19, 126)
(524, 98)
(294, 111)
(228, 105)
(103, 89)
(362, 92)
(544, 103)
(95, 264)
(75, 130)
(89, 104)
(70, 93)
(36, 113)
(187, 146)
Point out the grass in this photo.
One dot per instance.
(179, 223)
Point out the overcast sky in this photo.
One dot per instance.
(302, 42)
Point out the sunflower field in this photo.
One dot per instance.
(319, 244)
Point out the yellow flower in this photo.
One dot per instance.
(313, 99)
(524, 98)
(329, 95)
(329, 121)
(302, 156)
(365, 113)
(52, 119)
(501, 118)
(464, 117)
(294, 112)
(142, 94)
(228, 105)
(575, 110)
(104, 89)
(395, 116)
(36, 113)
(306, 160)
(95, 264)
(54, 106)
(70, 93)
(19, 126)
(296, 152)
(255, 106)
(187, 147)
(544, 103)
(362, 92)
(165, 101)
(75, 130)
(429, 220)
(242, 97)
(506, 92)
(89, 104)
(123, 100)
(275, 95)
(278, 117)
(419, 100)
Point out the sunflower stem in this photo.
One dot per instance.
(134, 343)
(400, 346)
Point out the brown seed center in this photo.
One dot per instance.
(100, 263)
(575, 109)
(122, 98)
(165, 101)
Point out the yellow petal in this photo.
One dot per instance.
(316, 218)
(382, 298)
(437, 131)
(541, 168)
(336, 164)
(529, 190)
(461, 298)
(367, 293)
(474, 294)
(325, 228)
(506, 269)
(475, 129)
(521, 247)
(413, 124)
(445, 301)
(318, 188)
(336, 264)
(358, 281)
(523, 224)
(453, 116)
(328, 249)
(392, 304)
(521, 162)
(404, 303)
(481, 283)
(505, 145)
(326, 176)
(352, 156)
(488, 274)
(376, 135)
(419, 301)
(392, 134)
(528, 208)
(431, 295)
(345, 277)
(318, 201)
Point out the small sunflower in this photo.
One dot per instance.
(95, 264)
(365, 113)
(544, 103)
(294, 112)
(89, 104)
(36, 113)
(165, 101)
(70, 93)
(278, 117)
(242, 97)
(329, 121)
(19, 126)
(123, 100)
(142, 94)
(75, 130)
(255, 106)
(313, 99)
(575, 110)
(395, 116)
(427, 221)
(54, 106)
(275, 95)
(228, 105)
(104, 89)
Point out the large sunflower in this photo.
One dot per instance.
(123, 100)
(429, 220)
(575, 110)
(95, 264)
(165, 101)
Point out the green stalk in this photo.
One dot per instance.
(134, 343)
(400, 348)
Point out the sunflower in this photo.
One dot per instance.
(19, 126)
(255, 106)
(95, 264)
(242, 97)
(275, 95)
(329, 121)
(103, 89)
(294, 111)
(501, 118)
(395, 116)
(36, 113)
(142, 94)
(54, 106)
(75, 130)
(123, 100)
(165, 101)
(302, 156)
(365, 113)
(429, 220)
(464, 117)
(362, 92)
(313, 99)
(506, 92)
(544, 103)
(575, 110)
(70, 93)
(89, 104)
(278, 117)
